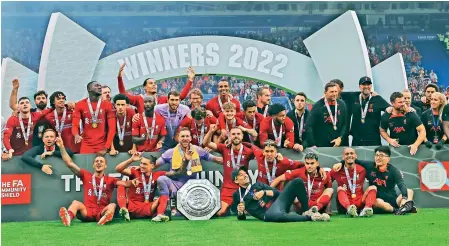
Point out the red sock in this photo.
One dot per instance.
(370, 198)
(71, 215)
(323, 201)
(343, 199)
(163, 201)
(121, 196)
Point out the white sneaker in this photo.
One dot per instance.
(320, 217)
(325, 217)
(352, 211)
(161, 218)
(125, 214)
(308, 213)
(366, 212)
(314, 209)
(65, 217)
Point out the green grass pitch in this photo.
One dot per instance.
(428, 227)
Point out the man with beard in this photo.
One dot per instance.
(424, 104)
(215, 105)
(149, 131)
(40, 98)
(98, 120)
(252, 117)
(269, 204)
(185, 163)
(106, 93)
(61, 119)
(263, 95)
(366, 113)
(48, 149)
(405, 127)
(17, 135)
(408, 102)
(319, 189)
(199, 125)
(141, 203)
(279, 128)
(384, 177)
(327, 124)
(234, 156)
(350, 195)
(150, 87)
(173, 113)
(97, 187)
(124, 115)
(299, 117)
(227, 121)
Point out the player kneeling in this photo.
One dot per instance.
(97, 187)
(319, 189)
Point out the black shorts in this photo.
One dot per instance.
(389, 198)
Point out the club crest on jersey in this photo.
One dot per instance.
(86, 120)
(373, 174)
(228, 163)
(18, 135)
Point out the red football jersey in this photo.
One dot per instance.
(95, 139)
(342, 181)
(266, 131)
(247, 155)
(66, 134)
(127, 139)
(196, 133)
(318, 184)
(140, 130)
(136, 194)
(214, 106)
(90, 200)
(13, 137)
(259, 117)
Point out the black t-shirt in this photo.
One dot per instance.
(422, 106)
(402, 127)
(297, 122)
(369, 130)
(433, 125)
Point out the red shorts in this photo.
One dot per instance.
(356, 201)
(139, 209)
(226, 195)
(93, 214)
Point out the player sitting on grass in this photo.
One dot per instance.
(350, 195)
(141, 202)
(319, 190)
(97, 188)
(267, 203)
(385, 177)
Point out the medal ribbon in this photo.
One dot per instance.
(200, 141)
(309, 185)
(364, 110)
(121, 133)
(147, 187)
(239, 157)
(246, 192)
(221, 104)
(333, 119)
(152, 125)
(273, 171)
(276, 136)
(100, 190)
(59, 128)
(300, 124)
(352, 185)
(94, 116)
(26, 134)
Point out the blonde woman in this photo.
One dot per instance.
(432, 120)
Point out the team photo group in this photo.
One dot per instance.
(231, 133)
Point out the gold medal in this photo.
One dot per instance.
(189, 172)
(39, 135)
(26, 143)
(121, 143)
(146, 201)
(353, 196)
(94, 125)
(335, 128)
(363, 121)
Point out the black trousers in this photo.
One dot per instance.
(279, 210)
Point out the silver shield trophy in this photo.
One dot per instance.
(198, 199)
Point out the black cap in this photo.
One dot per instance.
(365, 80)
(235, 172)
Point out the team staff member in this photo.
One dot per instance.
(18, 132)
(384, 177)
(366, 113)
(408, 102)
(403, 126)
(98, 120)
(106, 93)
(140, 202)
(327, 124)
(199, 125)
(299, 118)
(124, 115)
(432, 121)
(97, 189)
(263, 95)
(350, 180)
(279, 128)
(252, 117)
(319, 189)
(425, 103)
(47, 149)
(215, 105)
(234, 156)
(267, 203)
(61, 119)
(149, 131)
(150, 87)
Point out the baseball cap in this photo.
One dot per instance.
(235, 172)
(365, 80)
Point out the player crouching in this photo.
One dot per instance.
(98, 188)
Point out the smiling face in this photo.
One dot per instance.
(100, 164)
(60, 101)
(173, 102)
(242, 178)
(223, 88)
(236, 136)
(436, 101)
(146, 166)
(365, 88)
(185, 138)
(349, 156)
